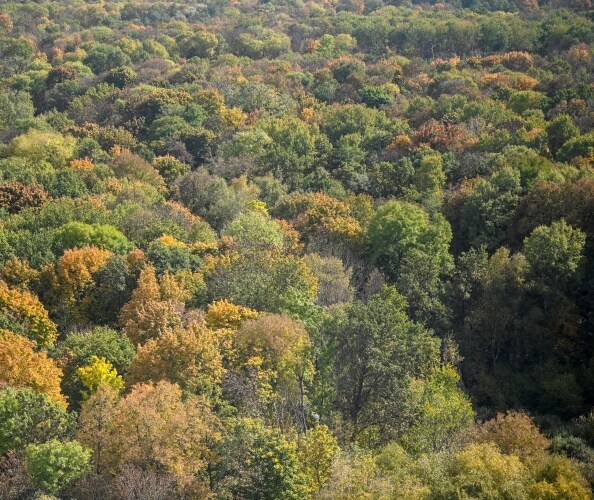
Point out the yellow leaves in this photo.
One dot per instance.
(224, 314)
(26, 309)
(17, 272)
(152, 427)
(401, 142)
(148, 314)
(232, 117)
(84, 164)
(188, 356)
(99, 371)
(318, 449)
(170, 241)
(21, 366)
(516, 81)
(513, 433)
(77, 266)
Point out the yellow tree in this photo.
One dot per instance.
(72, 281)
(96, 421)
(152, 427)
(147, 315)
(27, 311)
(276, 350)
(188, 356)
(22, 366)
(99, 371)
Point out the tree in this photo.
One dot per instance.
(29, 312)
(169, 255)
(514, 433)
(210, 197)
(296, 150)
(253, 228)
(582, 145)
(258, 463)
(79, 234)
(14, 196)
(28, 417)
(555, 254)
(103, 57)
(399, 228)
(488, 207)
(147, 315)
(333, 279)
(318, 450)
(224, 314)
(39, 146)
(375, 96)
(377, 352)
(70, 286)
(22, 366)
(170, 167)
(97, 421)
(442, 413)
(189, 357)
(152, 427)
(560, 130)
(201, 44)
(481, 471)
(262, 280)
(99, 371)
(54, 465)
(275, 350)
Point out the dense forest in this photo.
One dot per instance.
(288, 249)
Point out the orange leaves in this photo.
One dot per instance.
(152, 427)
(21, 366)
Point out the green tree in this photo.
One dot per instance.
(103, 57)
(377, 352)
(399, 228)
(582, 145)
(27, 417)
(555, 254)
(560, 130)
(442, 413)
(253, 228)
(79, 234)
(375, 96)
(54, 465)
(259, 463)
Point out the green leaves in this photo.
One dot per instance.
(399, 228)
(555, 253)
(54, 465)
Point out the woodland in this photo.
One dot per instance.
(296, 249)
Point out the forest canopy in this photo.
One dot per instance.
(297, 249)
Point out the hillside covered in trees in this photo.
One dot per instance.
(295, 249)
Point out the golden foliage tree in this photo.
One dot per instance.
(189, 357)
(151, 427)
(22, 366)
(147, 315)
(25, 308)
